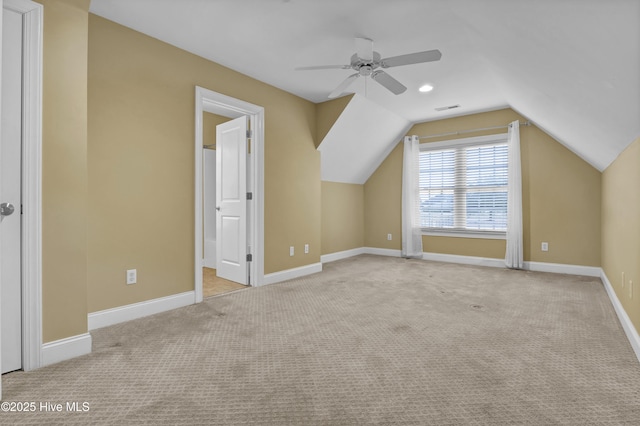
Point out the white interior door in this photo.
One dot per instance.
(231, 200)
(10, 193)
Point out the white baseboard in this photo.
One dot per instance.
(290, 274)
(138, 310)
(465, 260)
(438, 257)
(339, 255)
(382, 251)
(559, 268)
(331, 257)
(625, 321)
(64, 349)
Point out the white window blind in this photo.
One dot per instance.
(464, 188)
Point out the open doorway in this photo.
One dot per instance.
(215, 111)
(212, 284)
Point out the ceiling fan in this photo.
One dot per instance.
(366, 63)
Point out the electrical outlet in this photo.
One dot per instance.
(544, 246)
(132, 276)
(291, 251)
(306, 249)
(388, 237)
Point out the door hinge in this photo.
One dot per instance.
(249, 195)
(249, 134)
(249, 258)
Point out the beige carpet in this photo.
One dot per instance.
(371, 340)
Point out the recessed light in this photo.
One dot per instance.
(426, 88)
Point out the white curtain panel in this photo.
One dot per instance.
(514, 257)
(411, 231)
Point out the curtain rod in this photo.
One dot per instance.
(526, 123)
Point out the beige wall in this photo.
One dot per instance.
(561, 198)
(209, 123)
(621, 228)
(326, 115)
(141, 171)
(563, 203)
(465, 246)
(382, 202)
(64, 170)
(342, 216)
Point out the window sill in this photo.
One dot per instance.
(466, 234)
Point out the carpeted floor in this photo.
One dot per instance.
(371, 340)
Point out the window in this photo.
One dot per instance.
(463, 186)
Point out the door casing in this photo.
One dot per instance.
(227, 106)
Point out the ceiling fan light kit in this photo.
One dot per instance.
(366, 63)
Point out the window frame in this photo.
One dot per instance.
(501, 138)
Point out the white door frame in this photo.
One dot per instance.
(217, 103)
(31, 180)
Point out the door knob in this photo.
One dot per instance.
(6, 209)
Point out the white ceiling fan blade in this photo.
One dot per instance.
(342, 87)
(411, 58)
(324, 67)
(364, 48)
(389, 82)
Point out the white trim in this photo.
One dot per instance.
(64, 349)
(383, 251)
(625, 321)
(559, 268)
(1, 17)
(31, 180)
(339, 255)
(217, 103)
(465, 260)
(133, 311)
(290, 274)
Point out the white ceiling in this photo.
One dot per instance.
(570, 66)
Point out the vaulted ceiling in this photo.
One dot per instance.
(571, 66)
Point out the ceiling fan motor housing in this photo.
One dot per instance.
(363, 66)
